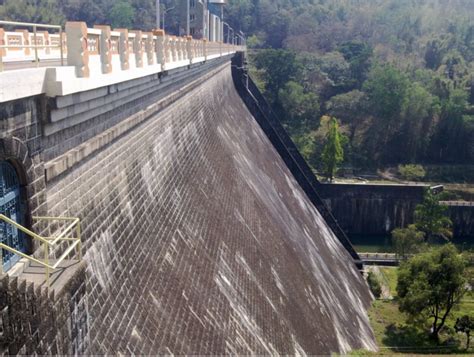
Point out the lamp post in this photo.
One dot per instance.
(187, 18)
(158, 14)
(164, 13)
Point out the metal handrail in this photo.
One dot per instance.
(35, 46)
(48, 242)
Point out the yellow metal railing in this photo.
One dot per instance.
(49, 243)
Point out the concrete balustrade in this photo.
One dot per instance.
(100, 54)
(109, 51)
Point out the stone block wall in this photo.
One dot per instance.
(197, 238)
(38, 320)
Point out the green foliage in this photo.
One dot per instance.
(430, 285)
(386, 89)
(412, 172)
(121, 15)
(359, 55)
(333, 154)
(302, 108)
(374, 284)
(465, 324)
(431, 218)
(280, 67)
(254, 42)
(40, 11)
(407, 241)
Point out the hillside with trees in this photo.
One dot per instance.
(397, 74)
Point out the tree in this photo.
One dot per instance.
(333, 154)
(121, 15)
(430, 285)
(407, 241)
(280, 67)
(430, 218)
(358, 54)
(465, 324)
(301, 108)
(386, 89)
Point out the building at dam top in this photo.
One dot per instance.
(151, 204)
(206, 20)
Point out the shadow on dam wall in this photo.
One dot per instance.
(197, 236)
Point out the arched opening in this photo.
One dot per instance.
(13, 207)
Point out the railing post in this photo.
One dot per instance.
(204, 49)
(149, 48)
(138, 48)
(61, 44)
(105, 48)
(3, 51)
(77, 50)
(160, 48)
(124, 49)
(35, 44)
(79, 245)
(46, 260)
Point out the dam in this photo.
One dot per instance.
(198, 232)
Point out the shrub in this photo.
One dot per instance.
(374, 284)
(412, 172)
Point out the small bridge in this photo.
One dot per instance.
(385, 259)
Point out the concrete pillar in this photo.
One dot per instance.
(138, 48)
(172, 48)
(124, 49)
(149, 48)
(167, 48)
(160, 47)
(189, 48)
(46, 41)
(105, 48)
(26, 41)
(182, 48)
(77, 50)
(3, 42)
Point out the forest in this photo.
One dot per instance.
(398, 75)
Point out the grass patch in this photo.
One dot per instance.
(390, 276)
(395, 336)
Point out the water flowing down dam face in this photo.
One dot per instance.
(200, 241)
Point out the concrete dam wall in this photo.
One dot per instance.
(197, 238)
(372, 209)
